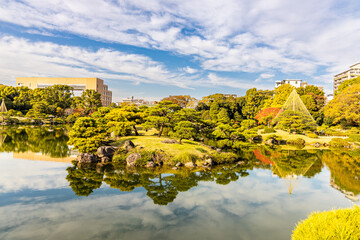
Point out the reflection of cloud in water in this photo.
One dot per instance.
(17, 175)
(254, 207)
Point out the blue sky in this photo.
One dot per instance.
(155, 48)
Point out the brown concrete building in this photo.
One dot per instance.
(79, 84)
(353, 72)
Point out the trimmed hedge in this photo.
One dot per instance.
(312, 135)
(339, 143)
(298, 141)
(336, 224)
(268, 130)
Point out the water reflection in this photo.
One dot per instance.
(36, 143)
(345, 172)
(164, 184)
(161, 185)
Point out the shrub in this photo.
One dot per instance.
(273, 136)
(298, 141)
(268, 130)
(119, 158)
(335, 224)
(312, 135)
(224, 157)
(339, 143)
(354, 138)
(185, 157)
(353, 130)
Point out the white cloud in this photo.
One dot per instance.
(190, 70)
(266, 75)
(249, 36)
(20, 57)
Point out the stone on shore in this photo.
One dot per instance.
(132, 159)
(87, 158)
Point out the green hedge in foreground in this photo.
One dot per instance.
(336, 224)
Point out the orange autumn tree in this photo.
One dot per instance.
(266, 115)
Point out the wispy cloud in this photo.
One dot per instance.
(249, 36)
(21, 57)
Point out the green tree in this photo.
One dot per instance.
(161, 115)
(90, 100)
(184, 130)
(345, 106)
(87, 134)
(181, 100)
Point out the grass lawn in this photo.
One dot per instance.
(286, 136)
(152, 143)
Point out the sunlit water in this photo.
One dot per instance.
(57, 200)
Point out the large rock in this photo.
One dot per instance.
(150, 164)
(170, 141)
(271, 141)
(190, 165)
(87, 158)
(106, 159)
(158, 157)
(208, 163)
(105, 151)
(317, 144)
(132, 159)
(129, 145)
(179, 164)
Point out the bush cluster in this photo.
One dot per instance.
(312, 135)
(354, 138)
(339, 143)
(224, 157)
(298, 141)
(335, 224)
(269, 130)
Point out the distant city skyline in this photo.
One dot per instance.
(156, 48)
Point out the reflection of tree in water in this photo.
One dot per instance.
(52, 142)
(85, 180)
(291, 165)
(345, 171)
(161, 187)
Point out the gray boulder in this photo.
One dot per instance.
(132, 159)
(106, 159)
(175, 168)
(129, 145)
(179, 164)
(271, 141)
(317, 144)
(190, 165)
(87, 158)
(105, 151)
(170, 141)
(150, 164)
(208, 163)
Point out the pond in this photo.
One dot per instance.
(44, 196)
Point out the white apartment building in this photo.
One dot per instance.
(293, 82)
(353, 72)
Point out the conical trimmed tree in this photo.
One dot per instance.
(294, 116)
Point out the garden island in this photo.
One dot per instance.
(291, 130)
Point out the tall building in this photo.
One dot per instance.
(353, 72)
(293, 82)
(79, 84)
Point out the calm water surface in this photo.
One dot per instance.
(262, 198)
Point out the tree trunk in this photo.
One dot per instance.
(161, 129)
(135, 130)
(180, 140)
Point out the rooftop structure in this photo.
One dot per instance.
(353, 72)
(79, 84)
(293, 82)
(137, 102)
